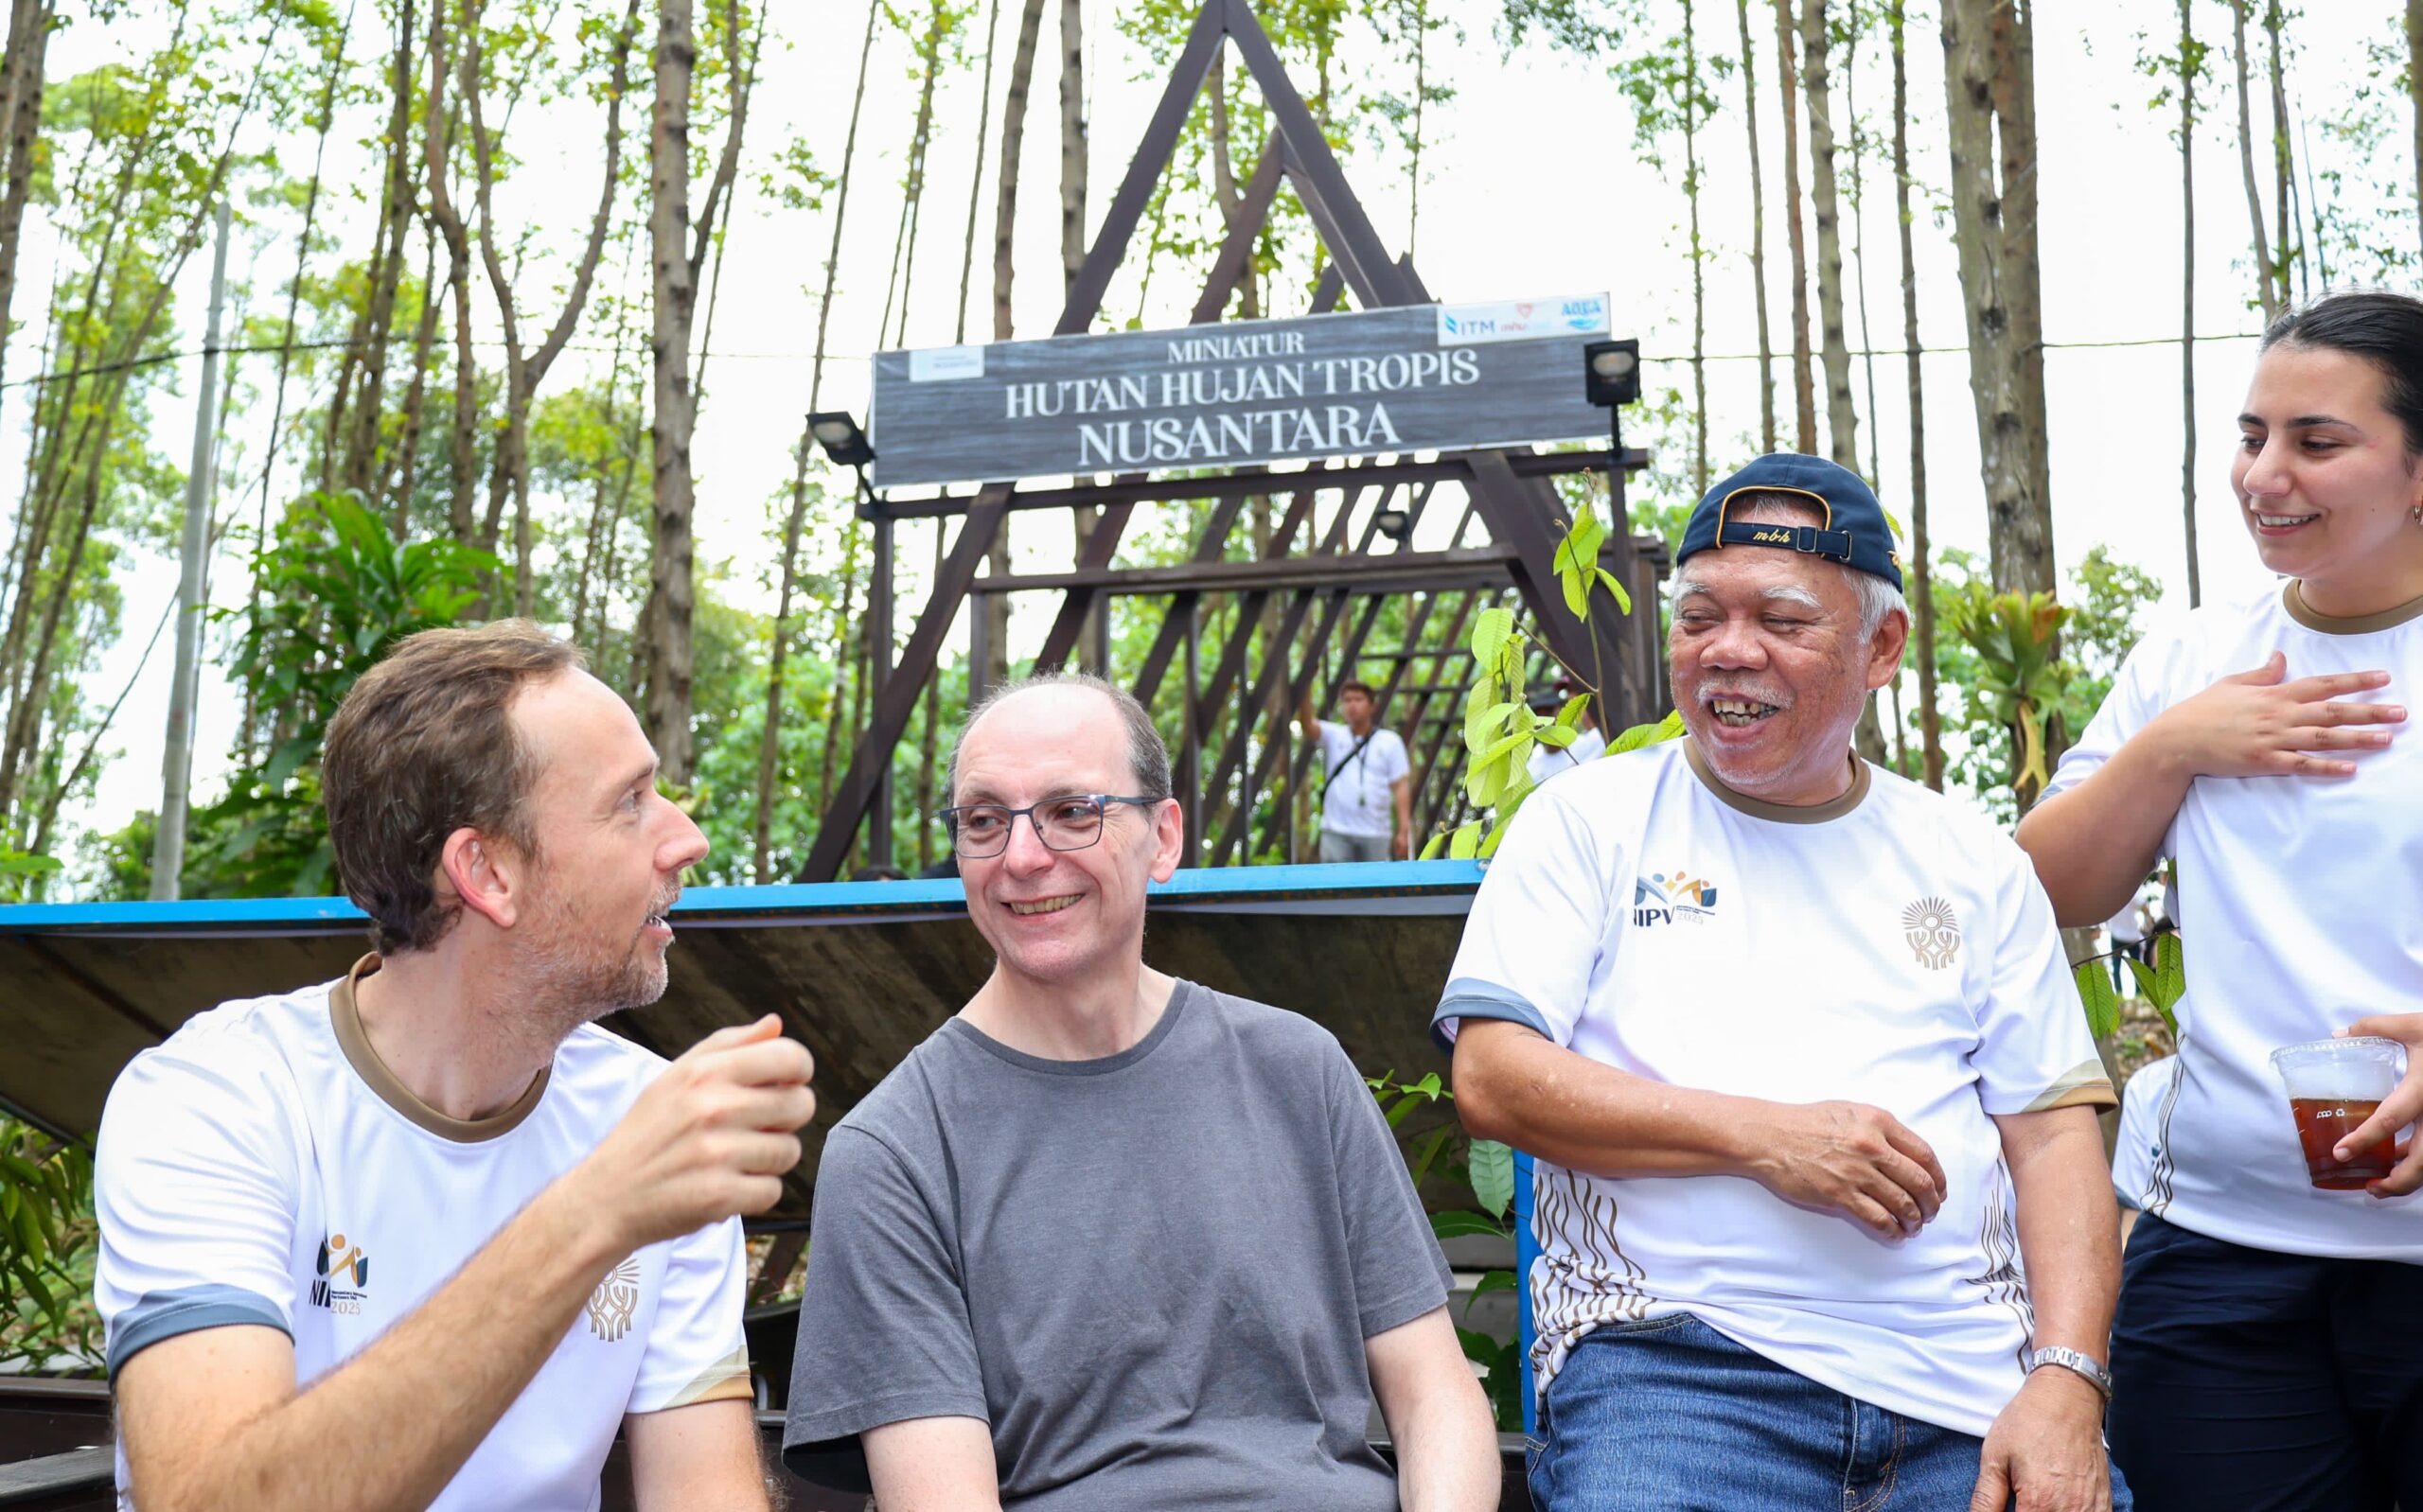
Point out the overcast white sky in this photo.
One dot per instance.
(1531, 187)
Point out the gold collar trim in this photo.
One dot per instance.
(1833, 808)
(344, 1016)
(2292, 598)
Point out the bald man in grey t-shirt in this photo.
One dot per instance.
(1109, 1239)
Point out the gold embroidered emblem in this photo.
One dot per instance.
(611, 1304)
(1932, 932)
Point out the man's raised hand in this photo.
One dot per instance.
(1854, 1159)
(711, 1137)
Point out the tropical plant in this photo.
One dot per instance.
(47, 1238)
(19, 867)
(1485, 1171)
(2020, 680)
(338, 593)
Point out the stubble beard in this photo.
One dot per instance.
(570, 983)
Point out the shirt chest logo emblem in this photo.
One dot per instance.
(1932, 931)
(611, 1304)
(343, 1275)
(1661, 898)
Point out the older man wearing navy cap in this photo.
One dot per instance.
(1821, 1202)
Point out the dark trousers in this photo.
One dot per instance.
(2266, 1382)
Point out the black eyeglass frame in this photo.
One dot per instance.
(1101, 801)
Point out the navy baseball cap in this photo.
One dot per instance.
(1854, 532)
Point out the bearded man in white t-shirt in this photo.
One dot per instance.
(425, 1235)
(1822, 1206)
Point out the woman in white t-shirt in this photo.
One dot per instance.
(2268, 1351)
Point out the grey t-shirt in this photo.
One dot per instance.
(1150, 1275)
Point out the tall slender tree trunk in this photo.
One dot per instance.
(1699, 254)
(1804, 391)
(286, 347)
(21, 78)
(1005, 192)
(2267, 290)
(770, 738)
(361, 448)
(2187, 71)
(462, 439)
(1073, 139)
(1421, 98)
(995, 606)
(1930, 719)
(976, 175)
(1758, 232)
(417, 396)
(912, 202)
(527, 369)
(671, 588)
(2291, 246)
(1989, 86)
(1072, 260)
(844, 624)
(1841, 420)
(1861, 145)
(2414, 97)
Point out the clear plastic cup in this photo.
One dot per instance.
(2334, 1086)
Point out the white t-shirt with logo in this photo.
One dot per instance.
(1555, 761)
(1888, 948)
(2296, 920)
(264, 1167)
(1358, 802)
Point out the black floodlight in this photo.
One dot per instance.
(1611, 373)
(1393, 523)
(838, 433)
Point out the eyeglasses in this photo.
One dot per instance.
(1070, 822)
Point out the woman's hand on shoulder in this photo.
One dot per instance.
(2255, 724)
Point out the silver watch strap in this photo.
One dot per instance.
(2071, 1359)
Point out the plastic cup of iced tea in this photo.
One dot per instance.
(2334, 1086)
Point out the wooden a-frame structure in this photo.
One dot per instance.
(1329, 598)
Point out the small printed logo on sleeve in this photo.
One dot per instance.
(1932, 931)
(611, 1304)
(344, 1275)
(1661, 899)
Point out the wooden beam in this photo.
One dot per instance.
(1345, 571)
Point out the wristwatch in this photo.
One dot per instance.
(2071, 1359)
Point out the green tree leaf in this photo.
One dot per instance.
(1492, 1173)
(2102, 1002)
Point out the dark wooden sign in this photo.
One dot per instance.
(1416, 377)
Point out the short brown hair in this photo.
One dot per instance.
(420, 747)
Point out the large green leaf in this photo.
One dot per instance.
(1491, 632)
(1492, 1165)
(2102, 1003)
(1670, 728)
(1460, 1224)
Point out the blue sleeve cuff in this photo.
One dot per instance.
(1470, 997)
(159, 1315)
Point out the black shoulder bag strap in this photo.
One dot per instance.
(1348, 762)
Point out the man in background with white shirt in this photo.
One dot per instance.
(1589, 741)
(1796, 1052)
(1366, 780)
(424, 1236)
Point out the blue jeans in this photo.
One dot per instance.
(1671, 1415)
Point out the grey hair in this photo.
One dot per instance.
(1877, 596)
(1148, 758)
